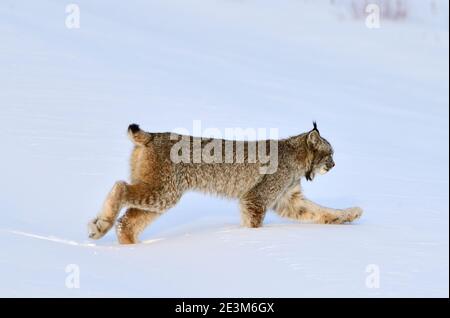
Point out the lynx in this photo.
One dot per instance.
(158, 182)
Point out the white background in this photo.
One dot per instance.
(380, 96)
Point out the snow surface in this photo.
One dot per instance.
(67, 95)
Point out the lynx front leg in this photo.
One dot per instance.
(294, 206)
(253, 211)
(132, 223)
(322, 215)
(257, 200)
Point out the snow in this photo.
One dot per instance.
(380, 96)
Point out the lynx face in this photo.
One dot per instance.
(325, 164)
(322, 153)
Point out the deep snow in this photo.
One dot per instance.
(67, 95)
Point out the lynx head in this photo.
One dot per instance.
(321, 152)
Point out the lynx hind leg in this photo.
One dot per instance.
(294, 206)
(132, 223)
(140, 196)
(104, 221)
(147, 204)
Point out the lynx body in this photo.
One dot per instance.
(159, 179)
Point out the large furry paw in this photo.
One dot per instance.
(97, 228)
(352, 214)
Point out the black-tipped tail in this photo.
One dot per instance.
(133, 128)
(138, 136)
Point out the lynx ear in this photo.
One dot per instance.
(313, 138)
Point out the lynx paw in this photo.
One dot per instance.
(97, 228)
(352, 214)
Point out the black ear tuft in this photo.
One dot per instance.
(308, 175)
(315, 126)
(313, 138)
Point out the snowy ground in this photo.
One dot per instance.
(67, 95)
